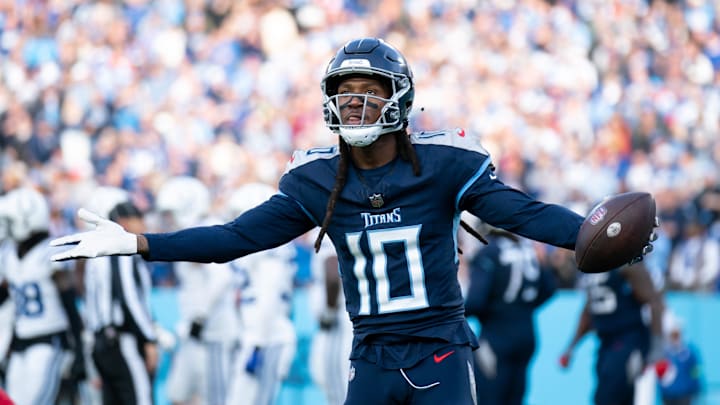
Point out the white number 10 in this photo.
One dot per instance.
(410, 238)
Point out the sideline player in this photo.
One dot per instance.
(614, 309)
(506, 287)
(47, 327)
(331, 344)
(390, 201)
(267, 341)
(208, 326)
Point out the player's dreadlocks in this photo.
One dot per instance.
(407, 153)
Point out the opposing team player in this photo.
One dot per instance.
(268, 341)
(628, 343)
(208, 325)
(7, 311)
(47, 327)
(506, 288)
(330, 350)
(390, 201)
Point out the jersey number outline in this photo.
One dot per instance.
(28, 300)
(410, 237)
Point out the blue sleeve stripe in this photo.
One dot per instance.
(301, 207)
(472, 180)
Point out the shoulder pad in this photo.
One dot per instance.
(456, 137)
(301, 157)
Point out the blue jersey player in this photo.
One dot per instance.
(390, 201)
(629, 343)
(506, 288)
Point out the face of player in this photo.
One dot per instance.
(361, 100)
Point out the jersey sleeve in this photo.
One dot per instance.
(270, 224)
(502, 206)
(481, 193)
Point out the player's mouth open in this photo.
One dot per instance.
(353, 119)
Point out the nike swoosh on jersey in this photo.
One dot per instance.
(442, 357)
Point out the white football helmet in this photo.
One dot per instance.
(23, 211)
(248, 196)
(186, 199)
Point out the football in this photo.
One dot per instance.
(615, 231)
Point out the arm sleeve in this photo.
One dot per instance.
(271, 224)
(4, 292)
(68, 297)
(505, 207)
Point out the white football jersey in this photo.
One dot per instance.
(266, 286)
(38, 308)
(206, 292)
(318, 299)
(7, 309)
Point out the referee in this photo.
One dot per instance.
(117, 292)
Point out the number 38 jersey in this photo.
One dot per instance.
(394, 232)
(38, 309)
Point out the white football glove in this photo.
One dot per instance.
(107, 239)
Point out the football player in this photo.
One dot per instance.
(268, 340)
(330, 350)
(614, 309)
(506, 287)
(47, 327)
(208, 326)
(7, 310)
(390, 201)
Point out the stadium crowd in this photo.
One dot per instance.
(575, 100)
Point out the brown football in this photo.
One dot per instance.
(615, 231)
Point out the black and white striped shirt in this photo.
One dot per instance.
(125, 306)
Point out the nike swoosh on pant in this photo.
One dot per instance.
(442, 357)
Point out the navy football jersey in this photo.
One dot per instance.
(394, 232)
(506, 287)
(613, 308)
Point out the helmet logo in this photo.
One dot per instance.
(355, 63)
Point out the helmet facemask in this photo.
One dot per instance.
(393, 114)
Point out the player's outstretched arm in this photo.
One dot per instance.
(107, 239)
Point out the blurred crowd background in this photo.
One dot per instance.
(575, 100)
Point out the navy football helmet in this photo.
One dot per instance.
(375, 58)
